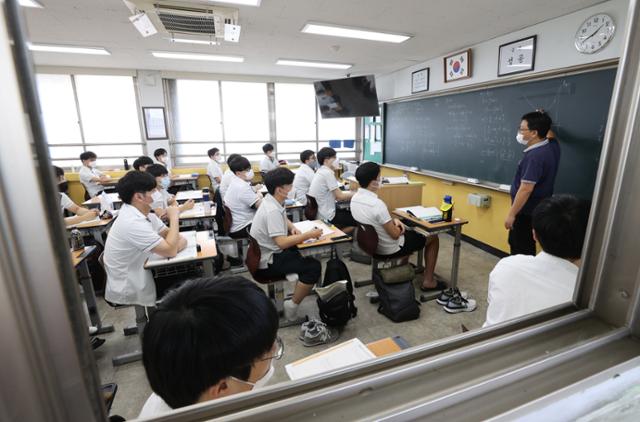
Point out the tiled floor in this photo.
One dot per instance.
(368, 326)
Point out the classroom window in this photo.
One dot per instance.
(59, 113)
(339, 134)
(197, 112)
(295, 113)
(246, 111)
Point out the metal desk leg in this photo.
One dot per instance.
(97, 236)
(296, 215)
(456, 255)
(194, 184)
(141, 321)
(90, 299)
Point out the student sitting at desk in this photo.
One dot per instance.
(136, 233)
(209, 339)
(278, 237)
(393, 238)
(213, 169)
(522, 284)
(304, 176)
(90, 177)
(269, 161)
(81, 213)
(141, 163)
(161, 198)
(162, 157)
(325, 189)
(227, 176)
(241, 199)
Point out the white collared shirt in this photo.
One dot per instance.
(240, 197)
(65, 202)
(267, 164)
(160, 198)
(270, 221)
(322, 186)
(538, 145)
(367, 208)
(225, 181)
(154, 406)
(214, 170)
(86, 174)
(302, 182)
(129, 244)
(522, 284)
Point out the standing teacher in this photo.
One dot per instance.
(534, 179)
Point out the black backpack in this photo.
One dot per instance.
(338, 310)
(396, 293)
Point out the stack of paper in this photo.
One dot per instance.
(428, 214)
(308, 225)
(402, 180)
(184, 195)
(188, 253)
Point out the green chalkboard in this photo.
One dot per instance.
(472, 134)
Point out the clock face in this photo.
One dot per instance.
(594, 33)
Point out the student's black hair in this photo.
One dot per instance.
(278, 177)
(212, 152)
(135, 182)
(203, 332)
(160, 151)
(232, 157)
(267, 147)
(325, 153)
(58, 171)
(143, 160)
(88, 155)
(560, 223)
(305, 155)
(157, 170)
(239, 163)
(367, 173)
(538, 121)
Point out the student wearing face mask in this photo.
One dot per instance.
(227, 176)
(81, 213)
(141, 163)
(269, 161)
(534, 179)
(161, 198)
(240, 198)
(304, 176)
(90, 177)
(325, 189)
(213, 169)
(209, 339)
(136, 233)
(162, 157)
(277, 237)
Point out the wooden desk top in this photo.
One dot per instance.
(102, 223)
(81, 254)
(185, 177)
(352, 179)
(208, 250)
(295, 205)
(197, 212)
(112, 182)
(96, 199)
(328, 240)
(430, 226)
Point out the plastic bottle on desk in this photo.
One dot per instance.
(206, 201)
(126, 164)
(447, 208)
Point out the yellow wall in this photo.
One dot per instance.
(485, 224)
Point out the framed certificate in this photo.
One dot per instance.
(517, 56)
(420, 80)
(457, 66)
(155, 123)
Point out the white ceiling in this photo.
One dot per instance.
(272, 31)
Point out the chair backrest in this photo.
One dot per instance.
(311, 209)
(367, 238)
(227, 219)
(253, 256)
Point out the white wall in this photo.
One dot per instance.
(555, 49)
(151, 94)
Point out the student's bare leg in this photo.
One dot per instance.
(431, 248)
(301, 291)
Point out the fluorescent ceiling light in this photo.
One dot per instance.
(306, 63)
(196, 56)
(240, 2)
(68, 49)
(190, 41)
(347, 32)
(30, 3)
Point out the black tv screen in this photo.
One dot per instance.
(348, 97)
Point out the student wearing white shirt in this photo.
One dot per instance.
(278, 237)
(241, 199)
(162, 157)
(325, 189)
(522, 284)
(304, 176)
(225, 180)
(161, 198)
(81, 213)
(208, 339)
(393, 238)
(213, 169)
(269, 161)
(136, 233)
(90, 177)
(141, 163)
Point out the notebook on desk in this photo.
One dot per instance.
(423, 213)
(308, 225)
(402, 180)
(187, 254)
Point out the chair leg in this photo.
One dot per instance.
(243, 268)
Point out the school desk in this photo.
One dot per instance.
(395, 195)
(95, 227)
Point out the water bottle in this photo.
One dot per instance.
(77, 242)
(126, 164)
(447, 208)
(206, 204)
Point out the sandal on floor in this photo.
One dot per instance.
(440, 285)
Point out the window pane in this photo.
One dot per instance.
(340, 128)
(246, 111)
(66, 152)
(298, 147)
(195, 149)
(68, 164)
(59, 112)
(295, 112)
(108, 108)
(187, 161)
(116, 151)
(290, 157)
(245, 148)
(198, 111)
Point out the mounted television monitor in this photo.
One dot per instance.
(349, 97)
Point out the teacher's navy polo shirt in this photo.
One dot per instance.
(539, 165)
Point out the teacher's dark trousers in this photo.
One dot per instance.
(521, 236)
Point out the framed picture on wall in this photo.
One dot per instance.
(155, 123)
(517, 56)
(457, 66)
(420, 80)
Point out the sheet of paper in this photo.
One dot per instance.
(184, 195)
(188, 253)
(423, 213)
(308, 225)
(376, 147)
(197, 210)
(402, 180)
(344, 354)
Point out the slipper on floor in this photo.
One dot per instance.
(440, 285)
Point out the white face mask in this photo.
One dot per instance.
(92, 164)
(336, 164)
(521, 139)
(162, 158)
(249, 176)
(262, 382)
(270, 154)
(218, 159)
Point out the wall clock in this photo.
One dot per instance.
(594, 33)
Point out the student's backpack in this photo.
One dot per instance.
(396, 293)
(338, 310)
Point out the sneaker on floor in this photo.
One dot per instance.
(446, 295)
(290, 310)
(459, 304)
(315, 333)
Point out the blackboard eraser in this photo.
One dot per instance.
(505, 187)
(472, 180)
(413, 168)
